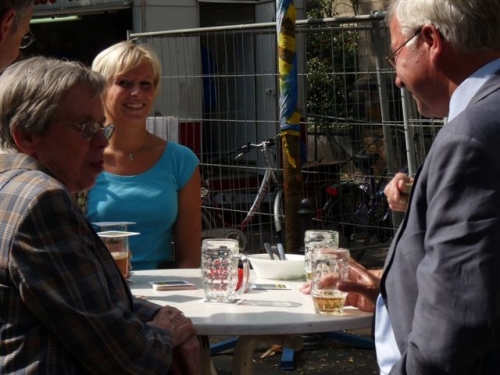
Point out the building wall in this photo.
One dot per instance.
(158, 15)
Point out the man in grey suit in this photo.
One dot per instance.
(438, 305)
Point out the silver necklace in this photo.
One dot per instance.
(131, 154)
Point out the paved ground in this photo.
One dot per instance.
(332, 357)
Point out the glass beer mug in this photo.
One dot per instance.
(329, 265)
(219, 269)
(312, 239)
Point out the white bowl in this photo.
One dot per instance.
(266, 268)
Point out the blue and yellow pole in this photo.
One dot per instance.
(289, 120)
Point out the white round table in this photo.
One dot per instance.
(273, 316)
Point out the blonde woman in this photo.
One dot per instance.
(146, 180)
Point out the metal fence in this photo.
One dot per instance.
(220, 92)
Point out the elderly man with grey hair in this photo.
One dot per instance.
(438, 300)
(64, 306)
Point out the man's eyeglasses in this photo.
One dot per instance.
(90, 129)
(27, 40)
(391, 59)
(108, 131)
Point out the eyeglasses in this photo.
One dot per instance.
(27, 40)
(391, 59)
(90, 129)
(108, 131)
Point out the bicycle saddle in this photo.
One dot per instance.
(364, 161)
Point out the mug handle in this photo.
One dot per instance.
(246, 275)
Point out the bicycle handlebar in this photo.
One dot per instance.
(246, 148)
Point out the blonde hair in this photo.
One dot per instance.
(124, 56)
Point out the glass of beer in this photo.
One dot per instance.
(117, 244)
(311, 240)
(329, 265)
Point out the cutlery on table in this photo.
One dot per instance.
(275, 251)
(269, 250)
(281, 251)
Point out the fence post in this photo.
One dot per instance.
(383, 98)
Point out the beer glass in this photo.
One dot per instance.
(117, 244)
(219, 270)
(311, 240)
(114, 234)
(329, 265)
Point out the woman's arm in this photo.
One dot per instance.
(187, 231)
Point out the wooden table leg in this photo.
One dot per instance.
(206, 366)
(244, 349)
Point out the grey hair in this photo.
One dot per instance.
(30, 92)
(124, 56)
(468, 25)
(19, 6)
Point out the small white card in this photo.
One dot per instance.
(261, 286)
(171, 285)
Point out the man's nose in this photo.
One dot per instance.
(99, 140)
(399, 83)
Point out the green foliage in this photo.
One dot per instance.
(319, 8)
(330, 65)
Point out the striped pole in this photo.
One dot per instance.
(289, 120)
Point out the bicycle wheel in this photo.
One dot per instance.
(347, 212)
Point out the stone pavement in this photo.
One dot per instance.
(331, 357)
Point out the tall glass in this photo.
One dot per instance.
(329, 266)
(311, 240)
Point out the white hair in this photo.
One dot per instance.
(468, 25)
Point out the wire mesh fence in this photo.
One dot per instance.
(220, 97)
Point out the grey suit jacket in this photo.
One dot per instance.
(441, 283)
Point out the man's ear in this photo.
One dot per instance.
(6, 22)
(433, 39)
(25, 142)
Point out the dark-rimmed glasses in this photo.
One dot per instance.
(27, 40)
(90, 129)
(391, 59)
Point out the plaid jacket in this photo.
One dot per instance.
(64, 307)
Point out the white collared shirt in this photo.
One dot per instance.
(387, 350)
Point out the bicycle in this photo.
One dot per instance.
(214, 220)
(358, 209)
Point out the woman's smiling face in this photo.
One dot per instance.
(130, 95)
